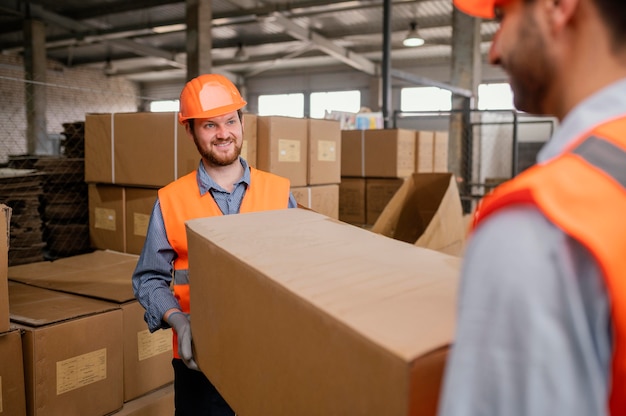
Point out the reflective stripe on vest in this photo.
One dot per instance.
(181, 201)
(583, 192)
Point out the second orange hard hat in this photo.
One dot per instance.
(478, 8)
(209, 95)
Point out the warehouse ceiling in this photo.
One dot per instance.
(145, 40)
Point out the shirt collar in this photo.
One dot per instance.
(608, 103)
(206, 183)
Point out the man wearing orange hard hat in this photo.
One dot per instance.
(541, 324)
(211, 111)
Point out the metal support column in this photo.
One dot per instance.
(199, 40)
(35, 88)
(386, 68)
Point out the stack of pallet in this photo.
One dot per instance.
(64, 207)
(21, 190)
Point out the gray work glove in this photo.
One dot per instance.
(180, 322)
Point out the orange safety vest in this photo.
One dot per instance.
(181, 201)
(583, 192)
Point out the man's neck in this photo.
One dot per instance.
(225, 176)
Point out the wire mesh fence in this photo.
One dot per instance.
(42, 152)
(493, 145)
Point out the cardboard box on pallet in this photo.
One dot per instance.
(12, 392)
(426, 211)
(282, 147)
(5, 221)
(383, 153)
(312, 316)
(323, 199)
(106, 275)
(324, 155)
(72, 347)
(140, 149)
(431, 154)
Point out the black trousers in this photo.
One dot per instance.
(194, 395)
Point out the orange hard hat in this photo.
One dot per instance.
(478, 8)
(209, 95)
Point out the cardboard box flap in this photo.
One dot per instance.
(425, 211)
(361, 278)
(33, 306)
(102, 274)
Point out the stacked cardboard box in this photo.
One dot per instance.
(119, 216)
(375, 163)
(346, 322)
(321, 193)
(72, 348)
(12, 391)
(106, 276)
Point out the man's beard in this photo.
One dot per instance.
(530, 69)
(216, 159)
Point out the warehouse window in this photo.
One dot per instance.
(164, 106)
(290, 105)
(425, 99)
(495, 97)
(325, 102)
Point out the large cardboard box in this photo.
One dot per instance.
(282, 147)
(5, 221)
(323, 199)
(295, 313)
(249, 146)
(383, 153)
(106, 275)
(12, 393)
(426, 211)
(378, 193)
(352, 200)
(324, 156)
(140, 149)
(72, 347)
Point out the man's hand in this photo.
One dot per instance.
(180, 322)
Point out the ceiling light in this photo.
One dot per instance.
(413, 38)
(241, 54)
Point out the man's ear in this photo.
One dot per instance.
(188, 128)
(562, 12)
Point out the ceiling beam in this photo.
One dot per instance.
(325, 45)
(126, 44)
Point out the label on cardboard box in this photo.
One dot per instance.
(105, 219)
(288, 150)
(153, 344)
(82, 370)
(140, 224)
(326, 151)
